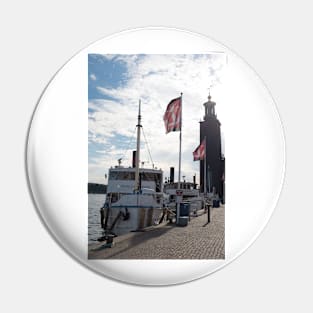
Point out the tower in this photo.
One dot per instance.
(210, 129)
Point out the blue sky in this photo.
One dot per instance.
(104, 72)
(115, 85)
(110, 74)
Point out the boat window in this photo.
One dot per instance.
(148, 176)
(154, 177)
(114, 197)
(145, 176)
(122, 176)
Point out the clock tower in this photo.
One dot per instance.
(215, 161)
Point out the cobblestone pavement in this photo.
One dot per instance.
(198, 240)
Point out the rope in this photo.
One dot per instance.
(146, 141)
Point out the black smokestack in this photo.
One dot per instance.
(172, 172)
(134, 158)
(194, 181)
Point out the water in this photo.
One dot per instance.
(95, 202)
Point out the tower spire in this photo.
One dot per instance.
(209, 107)
(209, 97)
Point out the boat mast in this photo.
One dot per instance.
(138, 148)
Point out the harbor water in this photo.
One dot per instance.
(95, 202)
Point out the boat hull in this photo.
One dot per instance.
(134, 213)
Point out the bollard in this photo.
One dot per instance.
(209, 212)
(109, 240)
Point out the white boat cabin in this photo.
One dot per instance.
(121, 181)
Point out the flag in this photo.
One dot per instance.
(172, 116)
(199, 153)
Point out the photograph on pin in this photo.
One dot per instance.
(156, 156)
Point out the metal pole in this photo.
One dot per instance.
(209, 213)
(179, 164)
(180, 138)
(138, 149)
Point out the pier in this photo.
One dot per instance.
(198, 240)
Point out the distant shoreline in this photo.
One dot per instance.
(94, 188)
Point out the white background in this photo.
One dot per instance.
(274, 274)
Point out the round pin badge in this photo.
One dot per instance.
(155, 156)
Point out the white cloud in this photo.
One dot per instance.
(93, 77)
(155, 79)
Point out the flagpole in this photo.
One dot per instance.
(179, 163)
(180, 137)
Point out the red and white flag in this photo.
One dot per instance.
(199, 153)
(172, 116)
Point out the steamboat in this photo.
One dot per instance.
(135, 198)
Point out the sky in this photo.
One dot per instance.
(115, 85)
